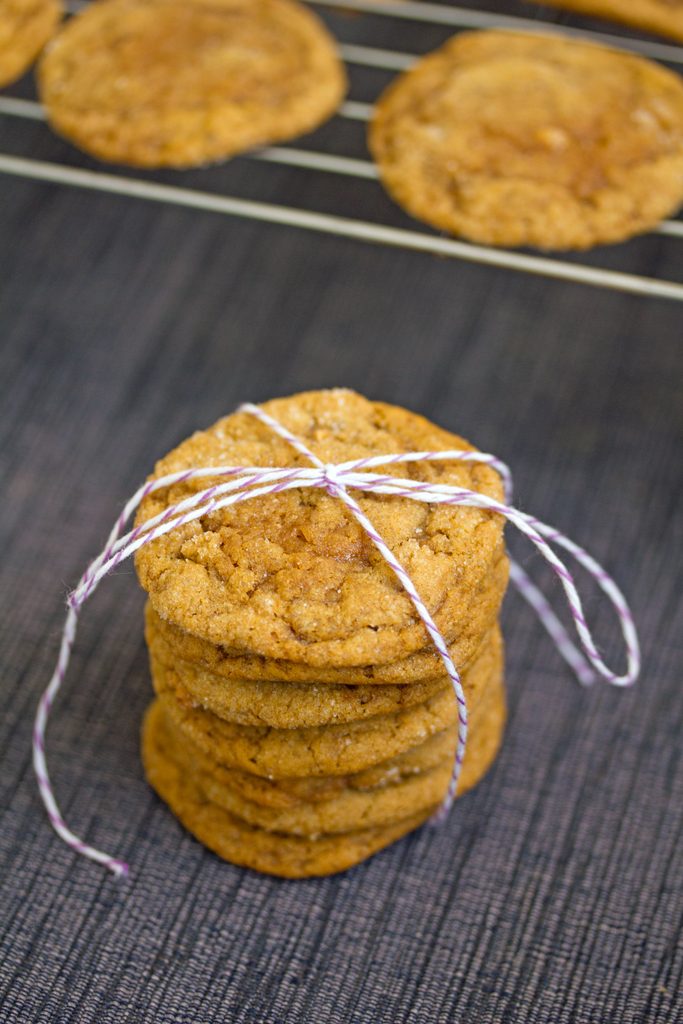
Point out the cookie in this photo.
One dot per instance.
(286, 705)
(291, 575)
(345, 812)
(325, 750)
(662, 16)
(532, 140)
(236, 841)
(25, 27)
(424, 666)
(292, 792)
(179, 83)
(350, 809)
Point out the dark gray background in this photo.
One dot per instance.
(553, 893)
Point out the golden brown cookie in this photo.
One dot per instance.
(423, 666)
(662, 16)
(513, 139)
(245, 845)
(347, 811)
(324, 750)
(292, 792)
(25, 27)
(177, 83)
(350, 808)
(288, 705)
(285, 705)
(291, 575)
(231, 837)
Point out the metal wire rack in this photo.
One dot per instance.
(120, 183)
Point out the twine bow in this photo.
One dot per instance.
(246, 483)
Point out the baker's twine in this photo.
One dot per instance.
(246, 483)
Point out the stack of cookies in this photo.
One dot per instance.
(303, 719)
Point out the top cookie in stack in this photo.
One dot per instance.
(291, 578)
(288, 659)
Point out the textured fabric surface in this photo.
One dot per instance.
(553, 893)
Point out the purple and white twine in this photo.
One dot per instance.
(244, 483)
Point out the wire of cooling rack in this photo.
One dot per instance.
(346, 227)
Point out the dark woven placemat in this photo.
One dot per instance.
(553, 893)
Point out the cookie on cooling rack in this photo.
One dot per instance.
(25, 27)
(662, 16)
(179, 83)
(532, 140)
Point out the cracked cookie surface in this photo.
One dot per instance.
(532, 140)
(292, 576)
(423, 666)
(178, 83)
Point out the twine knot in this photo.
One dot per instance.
(331, 477)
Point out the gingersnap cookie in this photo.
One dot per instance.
(25, 27)
(350, 809)
(240, 843)
(324, 750)
(177, 83)
(292, 575)
(424, 666)
(662, 16)
(286, 705)
(513, 139)
(293, 791)
(345, 812)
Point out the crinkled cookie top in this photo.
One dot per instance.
(292, 575)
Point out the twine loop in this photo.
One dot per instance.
(245, 483)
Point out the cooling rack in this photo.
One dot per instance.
(451, 18)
